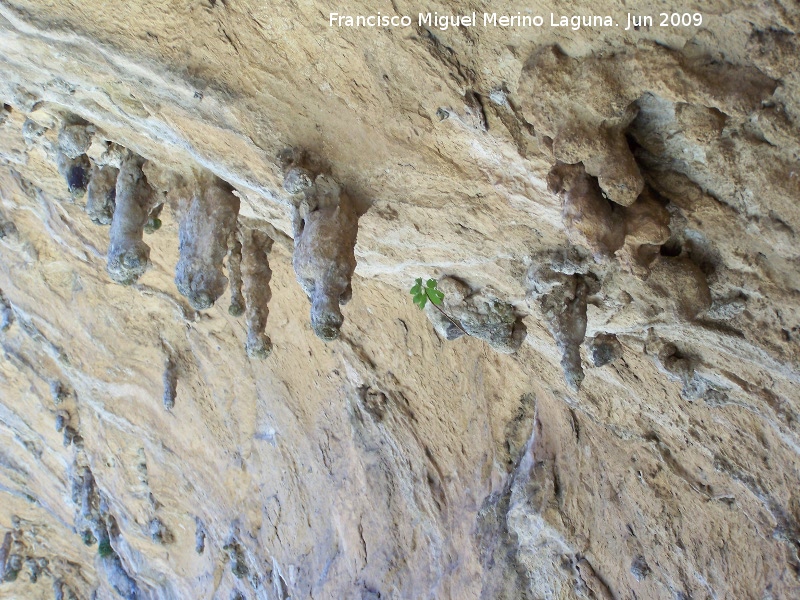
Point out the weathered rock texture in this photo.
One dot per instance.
(388, 463)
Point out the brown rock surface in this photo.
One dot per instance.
(389, 463)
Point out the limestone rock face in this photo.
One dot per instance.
(642, 441)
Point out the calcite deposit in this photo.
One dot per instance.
(71, 159)
(134, 199)
(324, 228)
(262, 412)
(208, 219)
(101, 194)
(256, 276)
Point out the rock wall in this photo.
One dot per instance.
(626, 200)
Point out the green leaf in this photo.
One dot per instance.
(420, 300)
(104, 549)
(417, 288)
(436, 296)
(431, 284)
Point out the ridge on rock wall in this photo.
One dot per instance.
(260, 412)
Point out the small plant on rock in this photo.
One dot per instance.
(430, 291)
(104, 549)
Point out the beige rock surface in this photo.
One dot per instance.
(390, 463)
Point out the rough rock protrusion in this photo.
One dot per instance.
(199, 536)
(58, 392)
(237, 557)
(325, 225)
(633, 233)
(681, 367)
(63, 423)
(5, 552)
(639, 568)
(15, 554)
(256, 275)
(118, 577)
(6, 312)
(105, 153)
(606, 156)
(34, 133)
(159, 532)
(61, 591)
(236, 307)
(207, 221)
(647, 228)
(590, 220)
(97, 525)
(7, 228)
(170, 383)
(680, 286)
(562, 298)
(62, 420)
(589, 581)
(74, 140)
(604, 349)
(71, 159)
(128, 255)
(101, 194)
(84, 494)
(477, 314)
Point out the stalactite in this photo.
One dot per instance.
(256, 276)
(236, 307)
(71, 159)
(170, 383)
(101, 194)
(128, 255)
(6, 312)
(207, 221)
(563, 301)
(325, 226)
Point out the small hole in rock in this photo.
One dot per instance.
(671, 248)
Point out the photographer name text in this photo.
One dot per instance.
(444, 22)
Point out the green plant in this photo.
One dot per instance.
(104, 549)
(430, 291)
